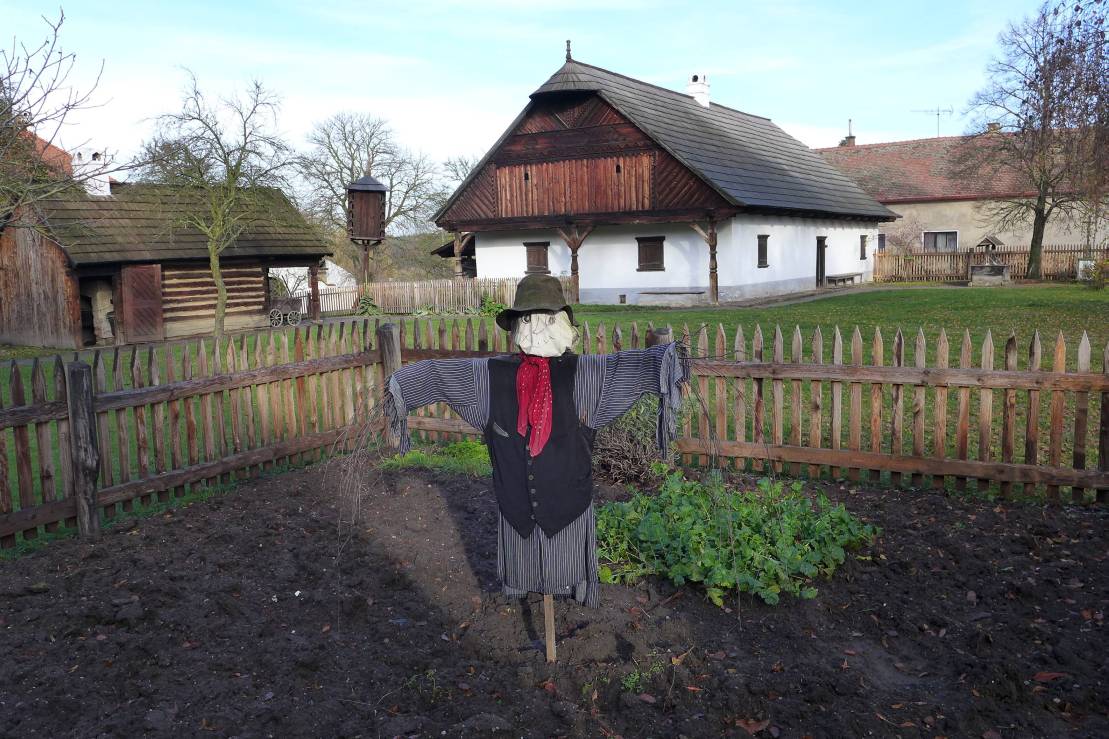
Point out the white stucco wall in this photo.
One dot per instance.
(608, 260)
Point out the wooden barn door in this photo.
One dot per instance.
(141, 294)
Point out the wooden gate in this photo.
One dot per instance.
(141, 296)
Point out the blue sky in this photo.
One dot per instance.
(451, 75)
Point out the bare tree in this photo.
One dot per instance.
(344, 147)
(36, 99)
(224, 156)
(1036, 118)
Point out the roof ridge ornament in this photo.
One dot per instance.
(568, 57)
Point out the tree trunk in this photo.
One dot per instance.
(221, 291)
(1035, 250)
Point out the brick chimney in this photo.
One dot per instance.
(993, 127)
(849, 139)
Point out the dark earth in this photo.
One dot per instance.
(249, 615)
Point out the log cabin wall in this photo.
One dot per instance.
(576, 155)
(189, 298)
(39, 300)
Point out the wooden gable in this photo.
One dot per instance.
(576, 155)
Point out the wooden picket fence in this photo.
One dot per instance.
(457, 295)
(159, 420)
(1058, 263)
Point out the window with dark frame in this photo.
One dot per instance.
(862, 246)
(650, 253)
(881, 242)
(763, 239)
(537, 257)
(941, 241)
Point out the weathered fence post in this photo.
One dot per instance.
(388, 343)
(661, 335)
(84, 448)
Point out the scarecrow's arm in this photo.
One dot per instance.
(463, 384)
(608, 385)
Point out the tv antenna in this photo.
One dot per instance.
(937, 111)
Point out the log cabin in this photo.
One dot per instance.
(78, 269)
(645, 195)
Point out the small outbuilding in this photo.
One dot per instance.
(80, 269)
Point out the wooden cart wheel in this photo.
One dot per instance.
(293, 317)
(275, 318)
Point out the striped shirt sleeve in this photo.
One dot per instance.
(608, 385)
(463, 384)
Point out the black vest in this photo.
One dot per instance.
(556, 487)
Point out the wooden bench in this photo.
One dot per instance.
(847, 278)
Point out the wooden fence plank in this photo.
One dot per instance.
(288, 390)
(231, 364)
(962, 424)
(939, 412)
(796, 356)
(1032, 427)
(721, 387)
(159, 456)
(739, 354)
(777, 420)
(816, 401)
(837, 403)
(1058, 400)
(855, 393)
(207, 422)
(985, 409)
(21, 434)
(246, 399)
(177, 453)
(897, 414)
(107, 469)
(758, 421)
(1081, 416)
(219, 419)
(44, 445)
(703, 407)
(877, 400)
(7, 541)
(142, 418)
(61, 435)
(1009, 413)
(920, 358)
(265, 430)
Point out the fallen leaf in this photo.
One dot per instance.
(777, 667)
(326, 628)
(693, 689)
(1046, 677)
(549, 686)
(641, 599)
(751, 726)
(990, 734)
(647, 698)
(851, 652)
(716, 655)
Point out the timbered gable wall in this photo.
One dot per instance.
(577, 155)
(189, 297)
(39, 301)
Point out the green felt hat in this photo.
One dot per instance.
(535, 293)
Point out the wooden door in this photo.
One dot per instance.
(821, 244)
(141, 295)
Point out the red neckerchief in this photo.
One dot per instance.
(533, 398)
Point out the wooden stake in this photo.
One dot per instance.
(549, 626)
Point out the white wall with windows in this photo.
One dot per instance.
(609, 259)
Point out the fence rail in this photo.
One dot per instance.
(172, 417)
(1058, 263)
(402, 298)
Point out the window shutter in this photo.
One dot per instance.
(650, 253)
(862, 246)
(537, 257)
(763, 239)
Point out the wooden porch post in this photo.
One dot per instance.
(574, 238)
(459, 245)
(314, 299)
(709, 235)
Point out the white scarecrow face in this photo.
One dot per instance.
(543, 334)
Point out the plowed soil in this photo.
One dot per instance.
(243, 616)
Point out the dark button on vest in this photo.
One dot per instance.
(554, 488)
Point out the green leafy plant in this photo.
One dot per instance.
(489, 306)
(460, 457)
(1096, 274)
(767, 542)
(367, 307)
(637, 678)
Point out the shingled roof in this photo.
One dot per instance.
(147, 223)
(924, 170)
(750, 161)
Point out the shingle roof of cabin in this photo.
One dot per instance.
(146, 223)
(923, 170)
(746, 158)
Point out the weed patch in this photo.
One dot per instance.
(460, 457)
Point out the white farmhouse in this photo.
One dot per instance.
(649, 196)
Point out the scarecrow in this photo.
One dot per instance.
(538, 411)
